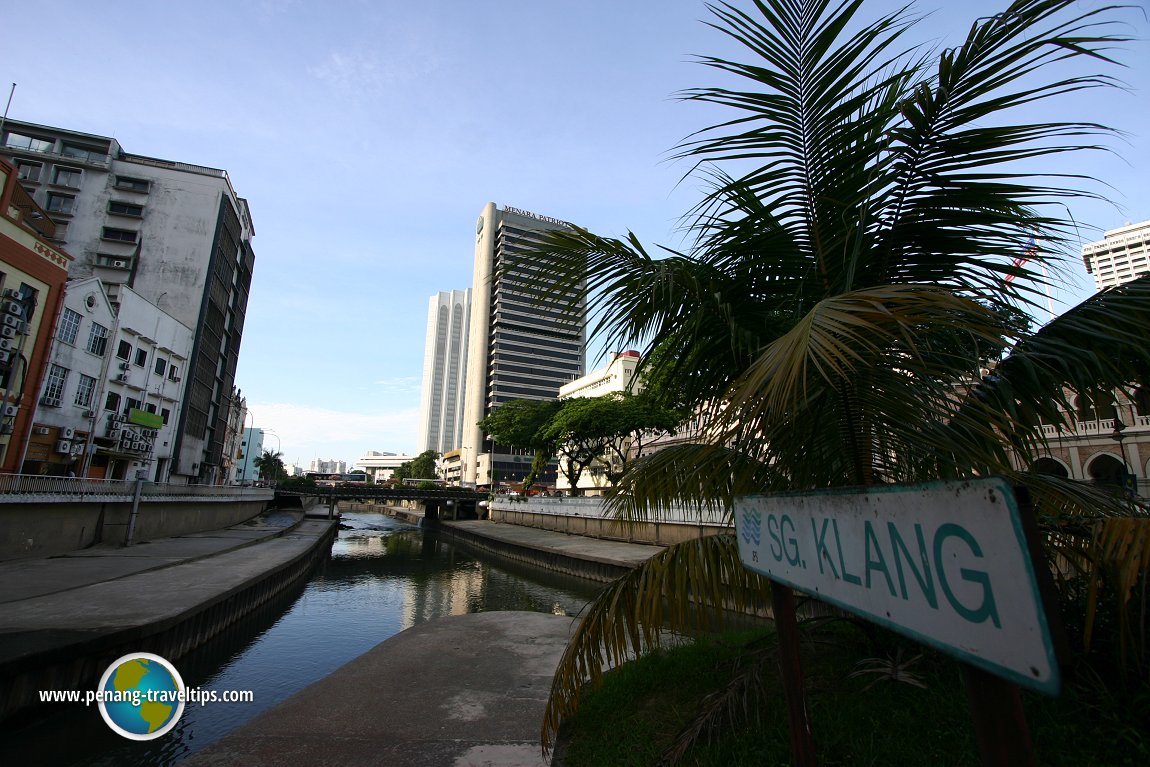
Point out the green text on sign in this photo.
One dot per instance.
(945, 563)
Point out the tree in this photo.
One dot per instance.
(850, 274)
(521, 423)
(270, 465)
(606, 429)
(421, 466)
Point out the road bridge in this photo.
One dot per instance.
(457, 502)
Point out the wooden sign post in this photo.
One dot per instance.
(948, 564)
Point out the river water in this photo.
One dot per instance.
(383, 576)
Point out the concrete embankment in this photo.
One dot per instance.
(64, 619)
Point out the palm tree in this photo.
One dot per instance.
(847, 313)
(270, 465)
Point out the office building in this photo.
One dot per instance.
(1120, 256)
(177, 234)
(522, 345)
(444, 371)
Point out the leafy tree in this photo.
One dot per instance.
(849, 275)
(421, 466)
(522, 424)
(607, 429)
(270, 465)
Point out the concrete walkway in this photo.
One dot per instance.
(464, 691)
(58, 612)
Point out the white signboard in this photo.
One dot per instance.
(946, 563)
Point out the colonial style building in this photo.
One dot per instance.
(177, 234)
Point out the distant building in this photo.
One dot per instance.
(33, 273)
(1120, 256)
(443, 392)
(328, 467)
(381, 466)
(522, 344)
(174, 232)
(251, 448)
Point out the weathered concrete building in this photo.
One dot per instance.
(177, 234)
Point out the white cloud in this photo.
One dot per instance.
(308, 432)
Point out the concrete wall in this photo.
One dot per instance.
(584, 516)
(45, 529)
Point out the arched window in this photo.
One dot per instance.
(1050, 467)
(1105, 469)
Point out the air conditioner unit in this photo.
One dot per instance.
(89, 413)
(50, 402)
(6, 344)
(12, 322)
(124, 366)
(13, 294)
(117, 418)
(78, 448)
(10, 411)
(6, 428)
(120, 264)
(63, 446)
(122, 377)
(41, 431)
(7, 331)
(5, 358)
(14, 307)
(67, 432)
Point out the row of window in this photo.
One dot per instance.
(65, 204)
(57, 385)
(69, 330)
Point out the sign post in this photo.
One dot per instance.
(948, 564)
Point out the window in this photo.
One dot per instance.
(133, 404)
(173, 373)
(20, 141)
(124, 350)
(120, 235)
(112, 402)
(97, 339)
(132, 184)
(161, 366)
(69, 177)
(165, 414)
(69, 326)
(61, 203)
(125, 209)
(84, 391)
(83, 153)
(29, 171)
(150, 408)
(113, 262)
(54, 389)
(141, 357)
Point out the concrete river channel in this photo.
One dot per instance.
(383, 576)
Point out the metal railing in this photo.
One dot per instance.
(566, 506)
(19, 486)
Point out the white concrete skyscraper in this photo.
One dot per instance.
(444, 371)
(522, 345)
(1120, 256)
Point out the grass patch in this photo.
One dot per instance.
(867, 719)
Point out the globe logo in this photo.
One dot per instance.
(141, 696)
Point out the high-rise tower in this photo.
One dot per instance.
(1120, 256)
(522, 344)
(444, 371)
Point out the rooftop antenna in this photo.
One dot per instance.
(5, 117)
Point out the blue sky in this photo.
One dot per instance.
(368, 135)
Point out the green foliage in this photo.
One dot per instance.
(852, 275)
(297, 483)
(521, 423)
(270, 465)
(421, 466)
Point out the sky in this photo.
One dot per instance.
(367, 135)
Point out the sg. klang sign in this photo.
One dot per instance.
(945, 563)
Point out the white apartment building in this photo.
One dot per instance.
(442, 397)
(251, 448)
(521, 346)
(1120, 256)
(177, 234)
(380, 466)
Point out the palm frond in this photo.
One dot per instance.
(686, 588)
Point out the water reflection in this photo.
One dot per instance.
(383, 576)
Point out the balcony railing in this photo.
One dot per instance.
(17, 487)
(1088, 428)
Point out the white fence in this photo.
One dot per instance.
(15, 488)
(593, 507)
